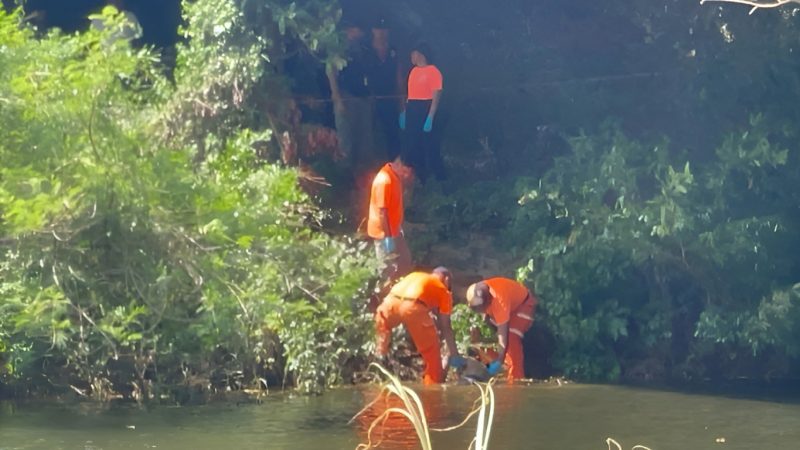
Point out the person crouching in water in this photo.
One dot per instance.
(409, 302)
(510, 307)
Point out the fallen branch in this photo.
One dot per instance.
(755, 4)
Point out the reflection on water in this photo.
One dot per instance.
(541, 416)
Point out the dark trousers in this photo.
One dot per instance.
(420, 149)
(386, 112)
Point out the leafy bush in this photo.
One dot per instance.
(127, 266)
(640, 259)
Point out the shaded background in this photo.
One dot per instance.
(519, 72)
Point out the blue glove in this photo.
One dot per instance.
(428, 125)
(388, 244)
(457, 361)
(494, 367)
(402, 120)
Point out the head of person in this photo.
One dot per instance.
(352, 31)
(444, 275)
(380, 34)
(479, 297)
(403, 170)
(421, 55)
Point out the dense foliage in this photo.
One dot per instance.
(132, 266)
(154, 237)
(668, 268)
(647, 265)
(652, 259)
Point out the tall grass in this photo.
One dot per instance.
(484, 429)
(413, 411)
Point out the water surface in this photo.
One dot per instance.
(536, 417)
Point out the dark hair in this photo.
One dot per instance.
(442, 270)
(482, 291)
(425, 49)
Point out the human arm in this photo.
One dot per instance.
(437, 95)
(502, 340)
(336, 94)
(488, 321)
(384, 215)
(401, 89)
(502, 337)
(388, 239)
(432, 111)
(446, 328)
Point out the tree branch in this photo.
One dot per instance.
(755, 4)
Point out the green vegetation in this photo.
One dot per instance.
(157, 238)
(649, 266)
(641, 257)
(137, 263)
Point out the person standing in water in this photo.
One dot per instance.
(411, 302)
(418, 118)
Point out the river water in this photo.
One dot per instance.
(551, 417)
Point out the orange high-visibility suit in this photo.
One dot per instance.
(409, 303)
(512, 303)
(387, 193)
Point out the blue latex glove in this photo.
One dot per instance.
(457, 361)
(388, 244)
(494, 367)
(428, 125)
(402, 120)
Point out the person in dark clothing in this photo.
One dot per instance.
(417, 119)
(351, 103)
(385, 85)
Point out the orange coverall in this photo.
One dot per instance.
(409, 302)
(512, 303)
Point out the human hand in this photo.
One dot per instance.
(388, 244)
(494, 367)
(428, 124)
(402, 120)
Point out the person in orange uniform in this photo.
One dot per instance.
(409, 302)
(510, 307)
(417, 118)
(385, 220)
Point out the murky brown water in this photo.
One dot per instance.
(537, 417)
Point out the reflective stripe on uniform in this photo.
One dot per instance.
(517, 332)
(525, 316)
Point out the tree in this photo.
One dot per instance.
(131, 267)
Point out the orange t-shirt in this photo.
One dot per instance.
(507, 296)
(426, 288)
(423, 82)
(387, 192)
